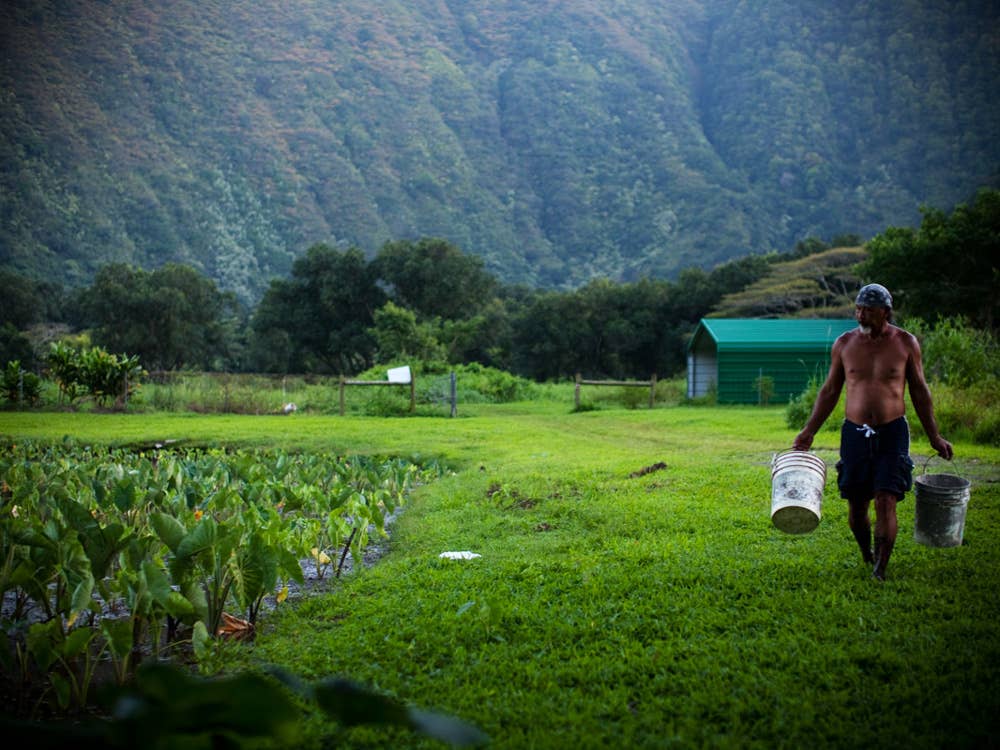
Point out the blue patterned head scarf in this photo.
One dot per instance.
(874, 295)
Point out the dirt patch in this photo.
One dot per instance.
(509, 499)
(659, 466)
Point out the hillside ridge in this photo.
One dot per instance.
(560, 141)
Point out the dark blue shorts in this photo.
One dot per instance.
(874, 458)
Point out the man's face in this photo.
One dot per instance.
(870, 318)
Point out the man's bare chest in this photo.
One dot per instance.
(874, 362)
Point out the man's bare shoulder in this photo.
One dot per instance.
(846, 338)
(906, 338)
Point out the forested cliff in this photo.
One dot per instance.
(558, 140)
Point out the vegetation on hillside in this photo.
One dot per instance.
(558, 142)
(819, 285)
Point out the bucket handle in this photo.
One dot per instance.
(933, 456)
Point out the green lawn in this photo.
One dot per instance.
(611, 610)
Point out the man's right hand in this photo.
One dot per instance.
(943, 448)
(803, 441)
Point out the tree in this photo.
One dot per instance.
(948, 267)
(14, 345)
(172, 317)
(399, 336)
(821, 284)
(434, 278)
(321, 315)
(20, 303)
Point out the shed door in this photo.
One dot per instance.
(703, 372)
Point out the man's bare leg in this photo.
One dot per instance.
(886, 527)
(861, 527)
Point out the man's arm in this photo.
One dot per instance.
(826, 399)
(920, 395)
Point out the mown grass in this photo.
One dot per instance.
(617, 608)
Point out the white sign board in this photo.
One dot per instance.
(399, 375)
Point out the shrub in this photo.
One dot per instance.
(956, 353)
(971, 413)
(800, 407)
(20, 387)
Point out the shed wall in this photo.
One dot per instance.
(791, 370)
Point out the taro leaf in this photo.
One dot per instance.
(156, 581)
(256, 570)
(73, 512)
(202, 537)
(289, 565)
(77, 640)
(169, 529)
(201, 641)
(448, 729)
(31, 537)
(352, 704)
(124, 494)
(175, 604)
(61, 687)
(102, 545)
(74, 567)
(119, 636)
(43, 640)
(195, 594)
(179, 607)
(170, 704)
(82, 594)
(99, 490)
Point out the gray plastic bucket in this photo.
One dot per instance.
(941, 502)
(797, 481)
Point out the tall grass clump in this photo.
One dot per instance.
(800, 407)
(956, 353)
(227, 393)
(962, 364)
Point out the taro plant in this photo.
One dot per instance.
(107, 550)
(66, 658)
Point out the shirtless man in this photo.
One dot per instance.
(877, 361)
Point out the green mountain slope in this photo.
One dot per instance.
(558, 140)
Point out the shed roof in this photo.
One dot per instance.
(760, 334)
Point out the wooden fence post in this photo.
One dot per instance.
(341, 395)
(413, 393)
(454, 394)
(576, 392)
(652, 390)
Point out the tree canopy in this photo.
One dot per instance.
(948, 267)
(172, 317)
(433, 278)
(318, 319)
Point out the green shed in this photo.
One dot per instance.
(735, 355)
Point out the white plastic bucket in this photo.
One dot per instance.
(939, 510)
(797, 481)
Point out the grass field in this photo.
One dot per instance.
(618, 606)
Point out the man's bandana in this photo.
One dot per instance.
(874, 295)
